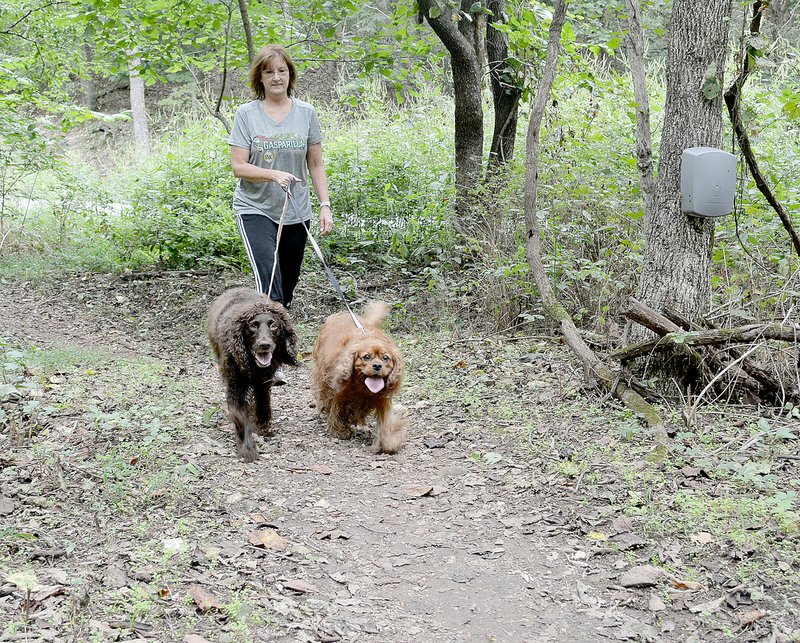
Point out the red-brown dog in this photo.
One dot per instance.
(357, 373)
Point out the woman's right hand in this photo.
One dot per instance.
(284, 179)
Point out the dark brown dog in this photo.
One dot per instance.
(357, 374)
(251, 337)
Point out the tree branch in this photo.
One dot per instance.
(593, 366)
(733, 103)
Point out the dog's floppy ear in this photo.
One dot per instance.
(286, 350)
(396, 376)
(236, 342)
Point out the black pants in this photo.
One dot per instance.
(259, 234)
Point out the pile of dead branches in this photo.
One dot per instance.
(758, 363)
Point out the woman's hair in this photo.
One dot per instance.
(260, 63)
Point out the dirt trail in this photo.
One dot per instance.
(428, 545)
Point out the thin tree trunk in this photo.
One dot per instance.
(505, 92)
(677, 261)
(141, 132)
(644, 144)
(248, 31)
(593, 366)
(88, 86)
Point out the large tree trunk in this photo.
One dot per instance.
(505, 89)
(459, 39)
(677, 262)
(141, 132)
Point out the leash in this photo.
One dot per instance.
(318, 252)
(278, 240)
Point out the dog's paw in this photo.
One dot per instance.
(341, 433)
(249, 454)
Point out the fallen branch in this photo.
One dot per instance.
(593, 366)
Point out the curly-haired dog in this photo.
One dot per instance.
(357, 373)
(251, 336)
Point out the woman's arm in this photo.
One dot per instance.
(316, 168)
(243, 169)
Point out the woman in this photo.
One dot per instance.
(276, 143)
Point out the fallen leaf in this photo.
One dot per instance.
(628, 540)
(585, 595)
(702, 538)
(24, 580)
(163, 593)
(748, 618)
(641, 576)
(689, 585)
(115, 577)
(6, 506)
(300, 586)
(268, 539)
(204, 599)
(709, 608)
(43, 593)
(47, 554)
(418, 490)
(597, 535)
(173, 545)
(622, 524)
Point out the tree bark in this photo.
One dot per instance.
(505, 89)
(644, 144)
(248, 30)
(141, 131)
(468, 108)
(677, 261)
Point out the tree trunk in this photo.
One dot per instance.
(677, 262)
(505, 88)
(644, 144)
(248, 31)
(594, 367)
(88, 86)
(141, 132)
(468, 107)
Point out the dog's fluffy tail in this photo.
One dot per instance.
(376, 313)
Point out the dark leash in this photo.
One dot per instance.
(318, 251)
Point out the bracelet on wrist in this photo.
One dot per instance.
(325, 203)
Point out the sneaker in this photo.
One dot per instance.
(279, 377)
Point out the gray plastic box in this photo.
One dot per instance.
(708, 182)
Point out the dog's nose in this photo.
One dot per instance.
(377, 367)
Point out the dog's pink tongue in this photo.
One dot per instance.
(374, 384)
(264, 359)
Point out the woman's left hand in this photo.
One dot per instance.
(325, 220)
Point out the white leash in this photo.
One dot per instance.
(318, 251)
(278, 241)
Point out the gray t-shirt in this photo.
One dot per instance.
(276, 146)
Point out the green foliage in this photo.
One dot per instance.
(389, 177)
(181, 213)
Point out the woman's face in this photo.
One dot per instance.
(275, 77)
